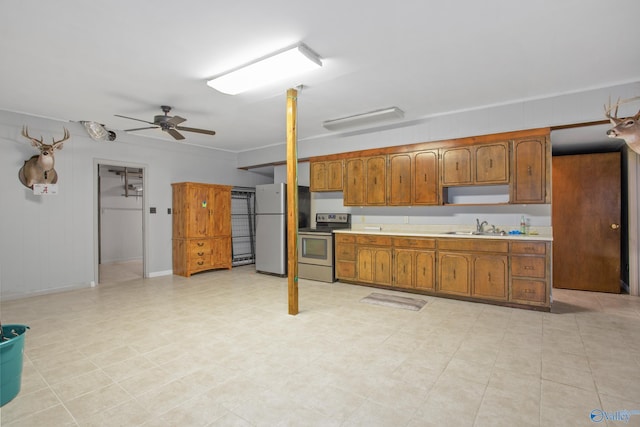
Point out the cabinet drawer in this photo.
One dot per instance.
(537, 248)
(345, 238)
(200, 245)
(474, 245)
(346, 252)
(529, 291)
(345, 270)
(197, 263)
(408, 242)
(373, 240)
(529, 266)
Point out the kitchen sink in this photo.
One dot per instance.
(477, 233)
(464, 233)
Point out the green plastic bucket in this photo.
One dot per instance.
(11, 361)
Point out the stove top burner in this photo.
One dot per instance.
(327, 222)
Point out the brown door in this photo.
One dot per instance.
(586, 222)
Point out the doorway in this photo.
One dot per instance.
(587, 222)
(120, 219)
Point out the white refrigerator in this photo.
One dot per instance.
(271, 225)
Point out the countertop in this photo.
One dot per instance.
(442, 232)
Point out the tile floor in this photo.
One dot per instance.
(219, 349)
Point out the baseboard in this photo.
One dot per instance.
(161, 273)
(16, 296)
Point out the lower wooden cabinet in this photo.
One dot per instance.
(491, 270)
(414, 269)
(530, 273)
(374, 265)
(345, 256)
(490, 277)
(454, 273)
(414, 263)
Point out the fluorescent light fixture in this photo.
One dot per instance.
(271, 68)
(364, 119)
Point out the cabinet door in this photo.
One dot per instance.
(200, 202)
(221, 252)
(492, 164)
(318, 176)
(334, 175)
(221, 212)
(365, 265)
(529, 178)
(382, 266)
(456, 166)
(354, 185)
(376, 170)
(400, 179)
(404, 268)
(454, 273)
(425, 178)
(424, 276)
(490, 277)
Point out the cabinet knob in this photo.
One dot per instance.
(615, 226)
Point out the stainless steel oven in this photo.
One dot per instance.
(315, 247)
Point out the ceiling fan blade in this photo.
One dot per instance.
(174, 133)
(148, 127)
(205, 131)
(176, 120)
(132, 118)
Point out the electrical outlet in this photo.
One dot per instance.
(152, 210)
(169, 211)
(406, 220)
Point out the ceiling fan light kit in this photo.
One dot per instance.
(271, 68)
(368, 118)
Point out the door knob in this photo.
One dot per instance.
(615, 226)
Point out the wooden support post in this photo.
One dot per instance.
(292, 199)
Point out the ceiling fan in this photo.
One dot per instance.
(168, 124)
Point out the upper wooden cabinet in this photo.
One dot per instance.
(456, 166)
(413, 178)
(376, 177)
(326, 175)
(492, 164)
(425, 184)
(422, 174)
(400, 179)
(485, 164)
(365, 181)
(354, 183)
(530, 182)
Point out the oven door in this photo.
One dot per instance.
(315, 248)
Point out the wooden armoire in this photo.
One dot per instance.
(201, 227)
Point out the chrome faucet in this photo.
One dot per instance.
(480, 225)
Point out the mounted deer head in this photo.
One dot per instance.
(627, 129)
(39, 169)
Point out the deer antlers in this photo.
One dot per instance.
(624, 128)
(39, 142)
(607, 109)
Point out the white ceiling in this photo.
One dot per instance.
(88, 60)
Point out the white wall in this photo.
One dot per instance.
(48, 243)
(528, 114)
